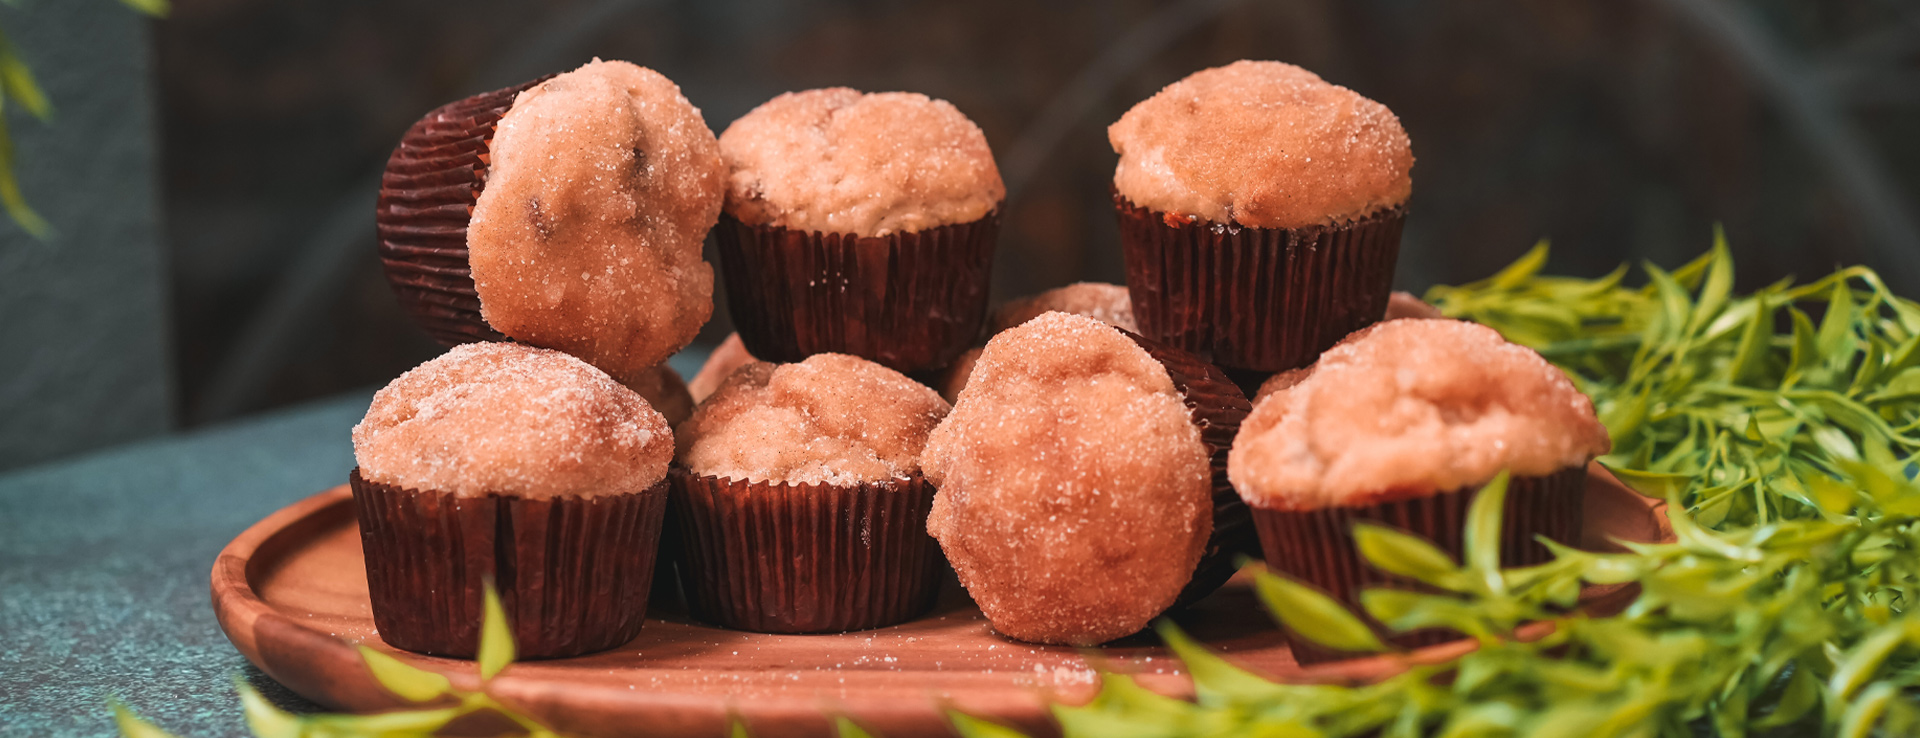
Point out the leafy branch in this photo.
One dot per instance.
(1786, 457)
(17, 85)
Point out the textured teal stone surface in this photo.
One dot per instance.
(105, 562)
(104, 566)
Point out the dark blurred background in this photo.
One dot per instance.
(1621, 130)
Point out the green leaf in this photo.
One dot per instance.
(1750, 355)
(18, 85)
(846, 728)
(1863, 713)
(1798, 698)
(969, 726)
(1215, 682)
(1313, 615)
(385, 724)
(263, 718)
(1406, 611)
(738, 729)
(1405, 554)
(155, 8)
(1713, 294)
(133, 726)
(405, 680)
(1483, 534)
(496, 636)
(1522, 269)
(1864, 660)
(1658, 485)
(1836, 327)
(1805, 354)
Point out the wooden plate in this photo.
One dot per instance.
(291, 593)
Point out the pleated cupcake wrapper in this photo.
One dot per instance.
(1258, 299)
(910, 301)
(1316, 547)
(573, 572)
(426, 200)
(805, 558)
(1217, 407)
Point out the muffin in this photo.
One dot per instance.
(1107, 303)
(1260, 210)
(1082, 482)
(1402, 425)
(861, 224)
(522, 466)
(566, 213)
(800, 499)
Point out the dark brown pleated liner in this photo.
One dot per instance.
(805, 558)
(572, 572)
(1217, 407)
(911, 301)
(426, 199)
(1316, 547)
(1261, 299)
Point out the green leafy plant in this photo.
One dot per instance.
(1786, 457)
(18, 86)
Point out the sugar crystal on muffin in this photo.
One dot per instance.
(1408, 408)
(1074, 487)
(587, 237)
(1261, 144)
(839, 161)
(501, 418)
(831, 419)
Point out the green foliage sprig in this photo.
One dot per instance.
(17, 85)
(1785, 454)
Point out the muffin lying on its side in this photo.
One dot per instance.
(1082, 481)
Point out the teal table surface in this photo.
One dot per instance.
(104, 564)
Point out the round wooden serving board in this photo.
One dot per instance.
(291, 593)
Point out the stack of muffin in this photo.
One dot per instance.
(1092, 465)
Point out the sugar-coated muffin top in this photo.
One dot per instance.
(839, 161)
(1262, 144)
(1107, 303)
(502, 418)
(831, 419)
(1074, 489)
(602, 186)
(1409, 408)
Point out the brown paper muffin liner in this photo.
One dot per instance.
(1261, 299)
(426, 199)
(910, 301)
(805, 558)
(573, 572)
(1316, 546)
(1217, 408)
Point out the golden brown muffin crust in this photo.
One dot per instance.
(1074, 487)
(1262, 144)
(502, 418)
(603, 184)
(1407, 408)
(832, 419)
(838, 161)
